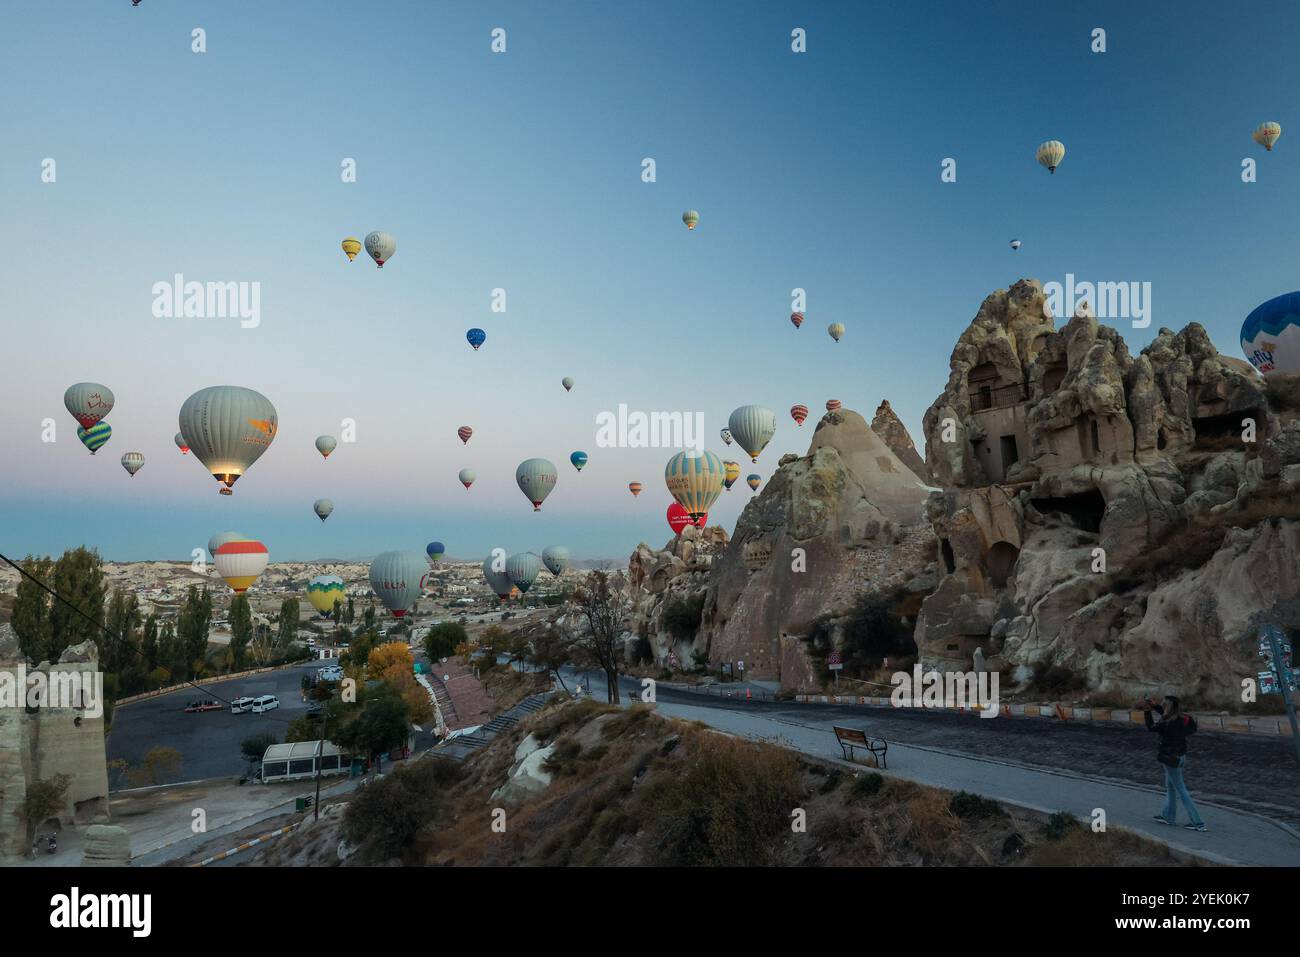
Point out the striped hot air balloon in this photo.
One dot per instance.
(753, 481)
(556, 559)
(536, 479)
(695, 480)
(465, 432)
(732, 472)
(522, 570)
(88, 402)
(690, 218)
(797, 319)
(351, 246)
(398, 579)
(835, 330)
(467, 477)
(832, 405)
(94, 437)
(1050, 154)
(799, 413)
(1266, 134)
(216, 541)
(240, 563)
(476, 337)
(753, 427)
(634, 488)
(132, 462)
(325, 444)
(180, 444)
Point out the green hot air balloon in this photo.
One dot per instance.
(556, 559)
(753, 427)
(398, 579)
(522, 570)
(228, 427)
(536, 479)
(94, 437)
(695, 480)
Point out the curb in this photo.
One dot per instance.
(246, 845)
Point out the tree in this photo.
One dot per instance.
(192, 627)
(31, 616)
(288, 623)
(44, 800)
(241, 630)
(383, 723)
(252, 748)
(368, 618)
(550, 651)
(149, 644)
(603, 606)
(388, 654)
(120, 654)
(305, 727)
(443, 640)
(79, 579)
(352, 612)
(171, 653)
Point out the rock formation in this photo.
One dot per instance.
(889, 427)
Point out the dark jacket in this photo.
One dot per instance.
(1173, 735)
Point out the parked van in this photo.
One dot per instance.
(240, 705)
(267, 702)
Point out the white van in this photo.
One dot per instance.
(240, 705)
(267, 702)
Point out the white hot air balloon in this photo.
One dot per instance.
(380, 247)
(132, 462)
(752, 426)
(1266, 134)
(1050, 154)
(467, 477)
(522, 570)
(567, 382)
(216, 541)
(322, 507)
(240, 563)
(88, 402)
(398, 579)
(835, 330)
(536, 478)
(228, 427)
(494, 571)
(556, 559)
(180, 444)
(1015, 244)
(325, 444)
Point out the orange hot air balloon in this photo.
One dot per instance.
(465, 432)
(797, 319)
(799, 413)
(634, 488)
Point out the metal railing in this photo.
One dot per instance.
(986, 397)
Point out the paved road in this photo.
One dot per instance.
(1244, 785)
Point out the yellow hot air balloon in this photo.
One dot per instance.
(732, 472)
(351, 246)
(1266, 134)
(1050, 154)
(696, 480)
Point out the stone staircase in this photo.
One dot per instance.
(462, 746)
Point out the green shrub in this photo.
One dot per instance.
(972, 806)
(1061, 824)
(681, 618)
(868, 785)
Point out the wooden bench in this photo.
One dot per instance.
(851, 738)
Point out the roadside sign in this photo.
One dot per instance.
(835, 661)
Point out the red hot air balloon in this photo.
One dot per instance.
(799, 413)
(797, 319)
(465, 432)
(679, 518)
(832, 405)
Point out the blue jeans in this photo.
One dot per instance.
(1175, 790)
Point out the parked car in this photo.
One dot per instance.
(240, 705)
(267, 702)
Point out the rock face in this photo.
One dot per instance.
(843, 519)
(1130, 519)
(660, 579)
(889, 427)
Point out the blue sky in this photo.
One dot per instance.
(522, 171)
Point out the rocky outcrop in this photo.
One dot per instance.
(890, 428)
(1102, 512)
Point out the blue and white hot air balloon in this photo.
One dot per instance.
(476, 337)
(1270, 336)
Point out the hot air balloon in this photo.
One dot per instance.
(556, 559)
(325, 444)
(497, 580)
(536, 478)
(476, 338)
(835, 329)
(1015, 244)
(1266, 134)
(695, 479)
(398, 579)
(228, 427)
(634, 488)
(579, 459)
(832, 405)
(1050, 154)
(380, 247)
(567, 382)
(797, 319)
(323, 591)
(216, 541)
(753, 481)
(240, 563)
(467, 477)
(351, 246)
(132, 462)
(799, 413)
(690, 218)
(753, 427)
(726, 435)
(731, 471)
(180, 444)
(322, 507)
(95, 436)
(88, 402)
(465, 432)
(1270, 336)
(678, 518)
(522, 570)
(435, 551)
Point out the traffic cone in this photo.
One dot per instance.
(748, 696)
